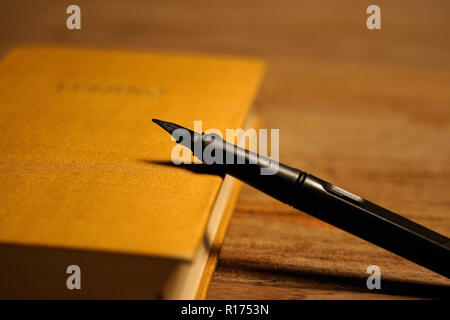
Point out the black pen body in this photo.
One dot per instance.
(340, 208)
(373, 223)
(321, 199)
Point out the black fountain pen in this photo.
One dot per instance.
(328, 202)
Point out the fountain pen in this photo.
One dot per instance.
(326, 202)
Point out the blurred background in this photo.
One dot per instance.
(366, 109)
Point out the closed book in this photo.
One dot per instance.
(91, 204)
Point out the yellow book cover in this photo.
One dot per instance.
(86, 177)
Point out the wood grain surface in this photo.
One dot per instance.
(366, 110)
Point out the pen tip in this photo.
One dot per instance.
(158, 122)
(168, 126)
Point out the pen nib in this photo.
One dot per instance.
(168, 126)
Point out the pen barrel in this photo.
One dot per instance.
(264, 174)
(373, 223)
(337, 207)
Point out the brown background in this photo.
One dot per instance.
(367, 110)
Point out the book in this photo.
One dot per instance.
(88, 188)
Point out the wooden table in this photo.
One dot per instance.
(367, 110)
